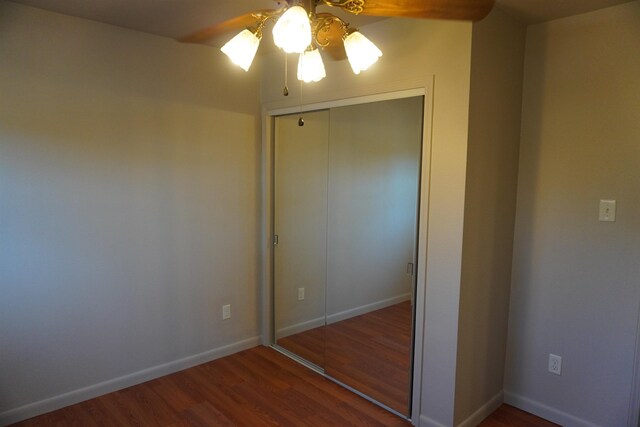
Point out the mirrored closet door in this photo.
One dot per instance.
(346, 188)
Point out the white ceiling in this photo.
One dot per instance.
(178, 18)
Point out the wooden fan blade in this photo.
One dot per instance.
(472, 10)
(235, 24)
(329, 37)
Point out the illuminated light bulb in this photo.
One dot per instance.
(242, 49)
(361, 52)
(292, 32)
(310, 66)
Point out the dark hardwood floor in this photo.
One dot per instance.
(253, 388)
(370, 352)
(508, 416)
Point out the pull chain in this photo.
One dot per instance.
(285, 91)
(300, 119)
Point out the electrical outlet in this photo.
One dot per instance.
(555, 364)
(300, 294)
(226, 311)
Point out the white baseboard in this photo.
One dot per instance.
(60, 401)
(428, 422)
(543, 411)
(300, 327)
(484, 411)
(474, 419)
(357, 311)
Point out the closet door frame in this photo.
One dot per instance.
(269, 112)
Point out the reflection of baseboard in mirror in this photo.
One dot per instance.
(300, 327)
(345, 197)
(288, 330)
(357, 311)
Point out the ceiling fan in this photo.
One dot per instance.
(300, 28)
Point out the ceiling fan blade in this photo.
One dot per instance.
(473, 10)
(235, 24)
(329, 36)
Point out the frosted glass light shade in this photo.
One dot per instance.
(292, 32)
(361, 52)
(310, 66)
(242, 49)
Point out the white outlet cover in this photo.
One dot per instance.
(226, 311)
(555, 364)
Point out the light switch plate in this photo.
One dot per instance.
(607, 210)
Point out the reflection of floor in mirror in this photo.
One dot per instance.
(308, 344)
(370, 353)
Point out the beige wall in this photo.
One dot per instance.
(492, 169)
(129, 208)
(436, 55)
(576, 288)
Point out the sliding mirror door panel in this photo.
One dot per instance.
(346, 188)
(374, 168)
(300, 253)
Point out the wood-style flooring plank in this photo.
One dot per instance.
(508, 416)
(272, 391)
(204, 415)
(254, 388)
(370, 352)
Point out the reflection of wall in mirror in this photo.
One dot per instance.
(349, 215)
(300, 221)
(374, 162)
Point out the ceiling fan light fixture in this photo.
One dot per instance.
(361, 52)
(292, 31)
(242, 48)
(310, 66)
